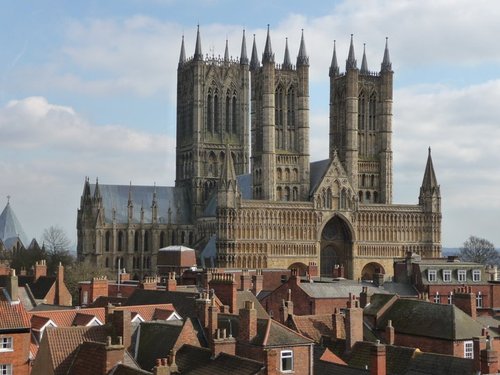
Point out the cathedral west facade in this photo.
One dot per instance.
(246, 193)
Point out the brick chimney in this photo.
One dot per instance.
(248, 323)
(122, 326)
(257, 282)
(312, 269)
(161, 367)
(13, 285)
(294, 276)
(98, 287)
(489, 359)
(223, 343)
(149, 283)
(171, 282)
(465, 300)
(60, 287)
(363, 297)
(286, 308)
(271, 362)
(114, 354)
(224, 287)
(245, 280)
(390, 334)
(378, 359)
(479, 345)
(202, 305)
(337, 324)
(40, 269)
(207, 276)
(353, 322)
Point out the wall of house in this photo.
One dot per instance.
(19, 356)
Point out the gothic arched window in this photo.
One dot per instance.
(107, 241)
(216, 113)
(162, 239)
(229, 127)
(234, 117)
(146, 240)
(373, 111)
(120, 241)
(210, 112)
(136, 241)
(278, 117)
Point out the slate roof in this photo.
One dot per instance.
(115, 197)
(328, 367)
(225, 364)
(439, 364)
(397, 357)
(412, 317)
(190, 357)
(13, 316)
(41, 286)
(269, 332)
(377, 302)
(156, 339)
(440, 265)
(317, 170)
(122, 369)
(11, 228)
(246, 295)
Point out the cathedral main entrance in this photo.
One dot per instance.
(336, 248)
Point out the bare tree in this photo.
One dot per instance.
(57, 247)
(479, 250)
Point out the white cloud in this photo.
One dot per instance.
(47, 149)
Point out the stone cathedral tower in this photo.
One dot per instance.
(280, 125)
(361, 125)
(212, 112)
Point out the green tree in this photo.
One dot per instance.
(479, 250)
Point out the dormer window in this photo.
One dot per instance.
(447, 276)
(286, 361)
(431, 276)
(476, 275)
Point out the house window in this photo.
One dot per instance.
(479, 300)
(468, 349)
(447, 276)
(462, 275)
(476, 275)
(5, 369)
(431, 276)
(6, 344)
(286, 360)
(437, 299)
(450, 298)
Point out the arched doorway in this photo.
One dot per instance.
(370, 269)
(300, 267)
(336, 246)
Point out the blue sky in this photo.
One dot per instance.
(87, 88)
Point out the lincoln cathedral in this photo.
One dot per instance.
(246, 194)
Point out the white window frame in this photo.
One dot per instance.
(437, 298)
(476, 275)
(447, 276)
(5, 369)
(462, 275)
(432, 276)
(479, 300)
(6, 344)
(450, 298)
(469, 349)
(284, 355)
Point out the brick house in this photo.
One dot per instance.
(14, 336)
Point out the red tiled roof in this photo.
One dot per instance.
(68, 318)
(82, 319)
(162, 314)
(314, 326)
(13, 316)
(147, 312)
(37, 322)
(63, 343)
(329, 356)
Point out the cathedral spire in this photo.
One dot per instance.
(130, 202)
(228, 174)
(287, 63)
(364, 63)
(97, 190)
(430, 194)
(182, 56)
(86, 189)
(430, 180)
(155, 200)
(302, 58)
(198, 55)
(268, 55)
(386, 65)
(226, 52)
(334, 66)
(254, 62)
(243, 55)
(351, 59)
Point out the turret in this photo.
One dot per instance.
(287, 63)
(430, 195)
(334, 66)
(254, 62)
(182, 56)
(198, 54)
(351, 62)
(130, 204)
(386, 65)
(302, 58)
(364, 63)
(226, 52)
(268, 55)
(243, 55)
(154, 206)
